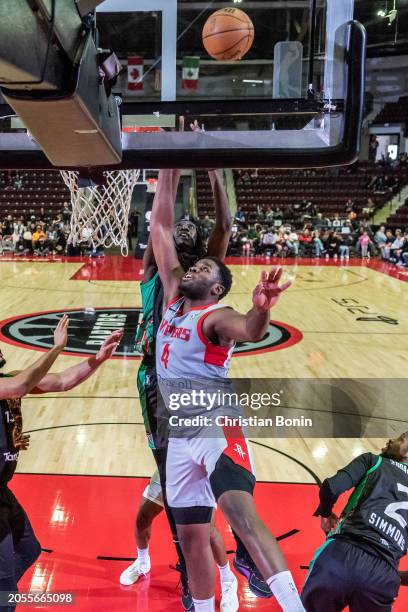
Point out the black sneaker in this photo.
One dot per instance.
(186, 597)
(256, 583)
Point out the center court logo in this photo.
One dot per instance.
(88, 329)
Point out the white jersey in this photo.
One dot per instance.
(183, 351)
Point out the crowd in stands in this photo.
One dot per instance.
(36, 233)
(303, 228)
(336, 238)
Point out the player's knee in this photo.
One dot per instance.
(143, 520)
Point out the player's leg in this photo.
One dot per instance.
(232, 485)
(196, 545)
(27, 548)
(156, 414)
(19, 547)
(375, 583)
(327, 586)
(156, 424)
(151, 505)
(8, 582)
(229, 583)
(244, 564)
(192, 505)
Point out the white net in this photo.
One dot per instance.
(100, 214)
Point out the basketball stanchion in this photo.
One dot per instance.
(100, 213)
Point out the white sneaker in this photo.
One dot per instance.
(229, 596)
(132, 573)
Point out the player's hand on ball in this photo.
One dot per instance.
(329, 523)
(268, 291)
(61, 332)
(109, 346)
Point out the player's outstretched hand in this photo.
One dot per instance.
(329, 523)
(61, 332)
(109, 346)
(268, 291)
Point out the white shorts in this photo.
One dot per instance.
(153, 491)
(190, 463)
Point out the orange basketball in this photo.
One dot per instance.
(228, 34)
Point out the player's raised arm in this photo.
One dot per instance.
(23, 382)
(161, 231)
(77, 374)
(220, 235)
(149, 262)
(252, 326)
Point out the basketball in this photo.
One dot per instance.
(228, 34)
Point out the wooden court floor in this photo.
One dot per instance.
(339, 322)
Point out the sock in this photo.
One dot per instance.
(284, 589)
(204, 605)
(143, 554)
(226, 575)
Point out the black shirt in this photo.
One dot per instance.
(11, 427)
(376, 515)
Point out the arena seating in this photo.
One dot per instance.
(394, 112)
(205, 203)
(329, 190)
(400, 218)
(40, 189)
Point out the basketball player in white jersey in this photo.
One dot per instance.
(195, 341)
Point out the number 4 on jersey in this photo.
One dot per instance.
(165, 355)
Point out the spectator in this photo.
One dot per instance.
(364, 243)
(239, 215)
(336, 221)
(268, 241)
(39, 240)
(397, 246)
(27, 240)
(292, 242)
(252, 236)
(386, 246)
(235, 243)
(207, 225)
(372, 148)
(318, 244)
(344, 246)
(66, 212)
(380, 237)
(332, 245)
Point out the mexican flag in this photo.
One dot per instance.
(191, 68)
(135, 73)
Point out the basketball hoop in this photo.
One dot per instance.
(100, 213)
(151, 185)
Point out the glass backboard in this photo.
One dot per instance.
(291, 95)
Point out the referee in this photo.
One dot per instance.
(357, 566)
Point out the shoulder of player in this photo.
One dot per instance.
(211, 319)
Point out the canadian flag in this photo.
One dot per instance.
(135, 73)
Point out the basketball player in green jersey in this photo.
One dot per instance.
(357, 566)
